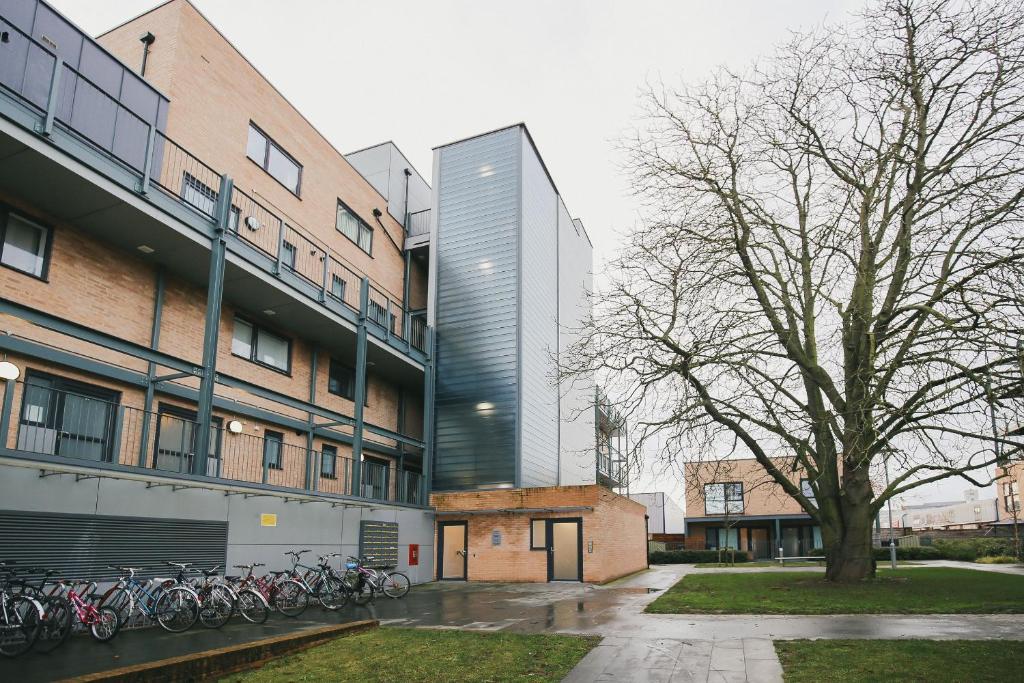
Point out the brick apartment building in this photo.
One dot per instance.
(1009, 483)
(188, 261)
(735, 504)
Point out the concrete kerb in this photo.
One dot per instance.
(227, 660)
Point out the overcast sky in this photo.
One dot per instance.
(425, 73)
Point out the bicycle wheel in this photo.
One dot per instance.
(395, 585)
(362, 591)
(121, 600)
(252, 606)
(177, 609)
(56, 626)
(291, 598)
(105, 625)
(332, 592)
(20, 622)
(216, 605)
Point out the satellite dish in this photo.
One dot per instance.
(252, 223)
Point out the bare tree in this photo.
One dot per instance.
(831, 265)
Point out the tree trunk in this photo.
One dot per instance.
(850, 558)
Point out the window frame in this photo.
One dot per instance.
(253, 356)
(265, 162)
(725, 499)
(52, 419)
(279, 438)
(334, 461)
(48, 231)
(361, 226)
(544, 523)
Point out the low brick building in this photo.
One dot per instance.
(558, 533)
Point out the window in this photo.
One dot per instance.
(274, 160)
(260, 346)
(328, 462)
(288, 254)
(68, 418)
(341, 380)
(720, 538)
(721, 499)
(25, 245)
(538, 534)
(337, 287)
(375, 478)
(272, 443)
(176, 433)
(353, 228)
(198, 194)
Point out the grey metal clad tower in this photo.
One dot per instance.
(496, 305)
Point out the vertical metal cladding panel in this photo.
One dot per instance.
(538, 285)
(576, 436)
(81, 546)
(477, 256)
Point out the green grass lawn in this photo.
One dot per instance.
(923, 590)
(907, 661)
(405, 655)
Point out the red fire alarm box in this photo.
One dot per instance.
(414, 554)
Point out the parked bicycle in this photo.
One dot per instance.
(365, 582)
(174, 607)
(322, 584)
(21, 617)
(278, 591)
(102, 622)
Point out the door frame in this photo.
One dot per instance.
(440, 549)
(549, 532)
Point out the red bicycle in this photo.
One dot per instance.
(102, 622)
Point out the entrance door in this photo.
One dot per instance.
(565, 549)
(452, 540)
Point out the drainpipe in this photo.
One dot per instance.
(154, 343)
(147, 40)
(647, 538)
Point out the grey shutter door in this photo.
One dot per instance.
(81, 546)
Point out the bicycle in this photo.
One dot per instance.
(102, 622)
(285, 595)
(21, 617)
(174, 607)
(57, 612)
(217, 601)
(319, 581)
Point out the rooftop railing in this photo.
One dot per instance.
(419, 223)
(64, 98)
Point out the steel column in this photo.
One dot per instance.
(360, 392)
(53, 98)
(312, 477)
(428, 416)
(211, 331)
(5, 411)
(154, 343)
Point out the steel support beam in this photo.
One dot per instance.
(5, 411)
(154, 343)
(312, 478)
(211, 330)
(360, 392)
(428, 417)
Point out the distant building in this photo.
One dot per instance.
(664, 516)
(969, 513)
(1009, 482)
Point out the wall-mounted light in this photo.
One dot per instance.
(9, 371)
(235, 427)
(484, 407)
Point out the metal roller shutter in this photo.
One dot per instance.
(81, 546)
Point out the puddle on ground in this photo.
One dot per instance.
(643, 591)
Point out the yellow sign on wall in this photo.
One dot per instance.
(268, 519)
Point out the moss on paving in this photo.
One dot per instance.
(924, 590)
(403, 655)
(907, 661)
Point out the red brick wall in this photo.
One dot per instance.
(615, 527)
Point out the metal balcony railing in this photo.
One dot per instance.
(84, 429)
(65, 99)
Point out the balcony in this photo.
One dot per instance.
(115, 174)
(418, 230)
(60, 429)
(611, 469)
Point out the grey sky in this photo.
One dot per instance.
(425, 73)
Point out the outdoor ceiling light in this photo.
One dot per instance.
(484, 406)
(145, 249)
(235, 427)
(9, 371)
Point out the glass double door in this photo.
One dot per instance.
(69, 418)
(176, 434)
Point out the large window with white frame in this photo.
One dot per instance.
(723, 498)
